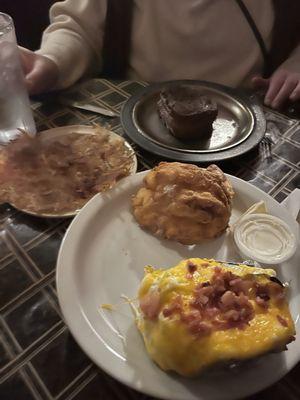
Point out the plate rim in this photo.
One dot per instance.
(67, 309)
(256, 135)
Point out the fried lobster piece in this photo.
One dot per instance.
(183, 202)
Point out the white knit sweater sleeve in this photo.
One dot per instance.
(74, 39)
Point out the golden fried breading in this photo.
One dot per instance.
(183, 202)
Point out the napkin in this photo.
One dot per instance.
(292, 204)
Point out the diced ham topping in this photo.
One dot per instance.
(168, 311)
(212, 312)
(261, 302)
(191, 267)
(199, 327)
(175, 307)
(239, 285)
(282, 321)
(221, 303)
(232, 315)
(191, 316)
(228, 299)
(150, 304)
(265, 292)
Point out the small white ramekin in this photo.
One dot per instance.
(260, 227)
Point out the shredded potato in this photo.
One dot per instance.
(61, 174)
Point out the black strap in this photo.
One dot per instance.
(256, 33)
(117, 38)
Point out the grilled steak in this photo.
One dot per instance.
(186, 113)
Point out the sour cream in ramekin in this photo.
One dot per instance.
(264, 238)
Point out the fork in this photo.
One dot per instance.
(266, 145)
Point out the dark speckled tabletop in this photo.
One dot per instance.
(38, 357)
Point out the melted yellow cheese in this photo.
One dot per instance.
(173, 347)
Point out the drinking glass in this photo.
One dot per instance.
(15, 112)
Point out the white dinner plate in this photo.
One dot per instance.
(102, 257)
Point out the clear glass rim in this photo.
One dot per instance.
(7, 24)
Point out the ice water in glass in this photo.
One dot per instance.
(15, 112)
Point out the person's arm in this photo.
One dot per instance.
(71, 45)
(284, 84)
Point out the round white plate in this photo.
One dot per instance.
(102, 257)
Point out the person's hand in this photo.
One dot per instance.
(41, 73)
(283, 85)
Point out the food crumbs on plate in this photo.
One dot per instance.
(113, 307)
(133, 307)
(108, 307)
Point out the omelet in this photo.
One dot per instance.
(202, 313)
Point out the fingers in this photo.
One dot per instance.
(282, 86)
(33, 80)
(276, 82)
(41, 73)
(42, 77)
(36, 80)
(32, 86)
(284, 93)
(27, 59)
(260, 83)
(296, 93)
(39, 81)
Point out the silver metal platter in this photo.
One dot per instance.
(239, 127)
